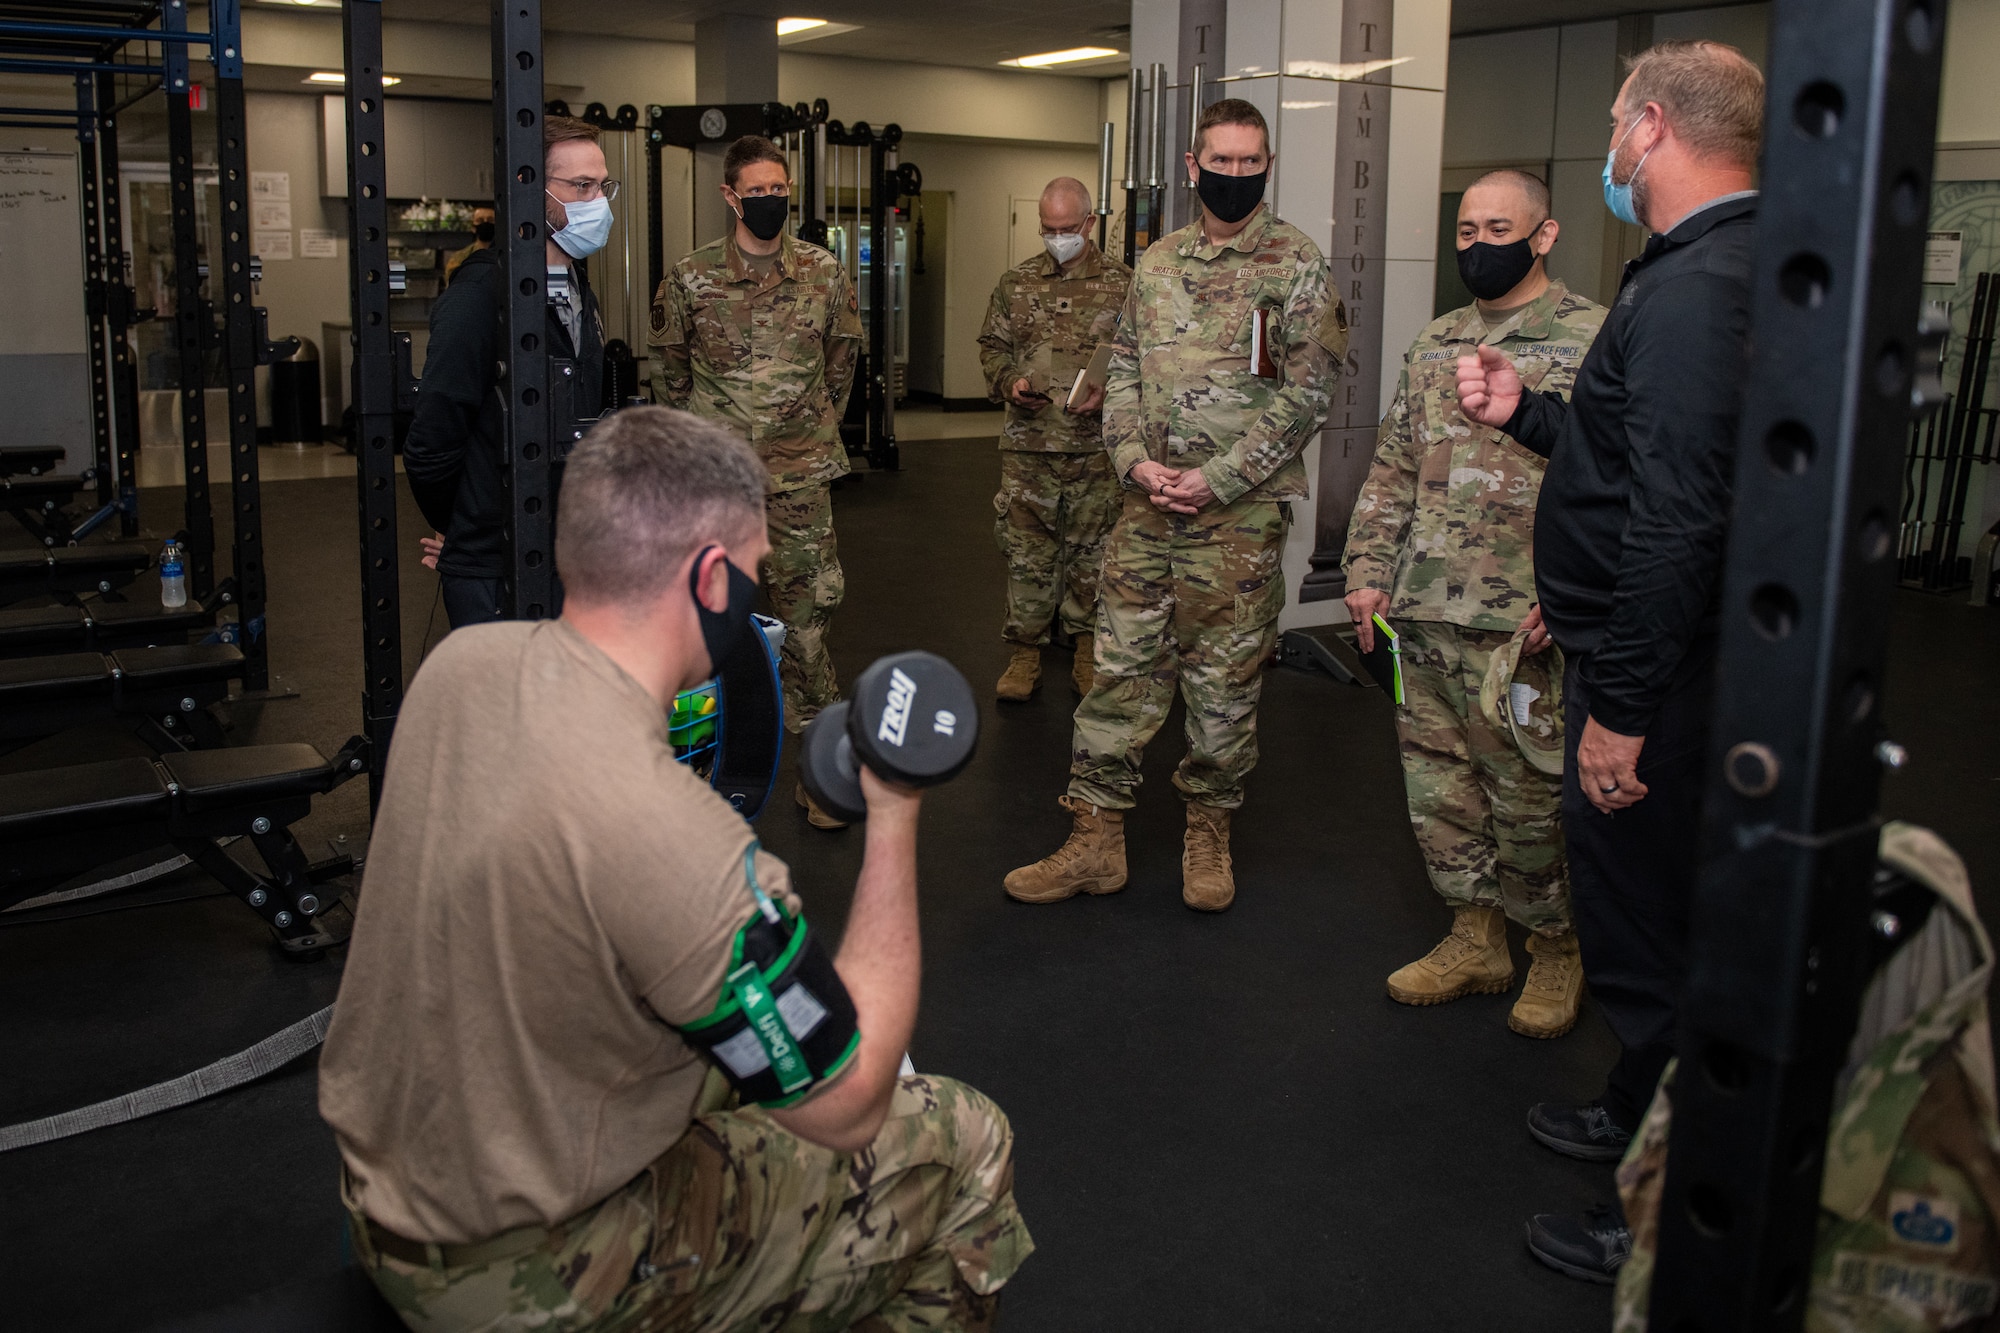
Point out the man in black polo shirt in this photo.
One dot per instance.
(1629, 536)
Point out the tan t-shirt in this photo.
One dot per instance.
(544, 886)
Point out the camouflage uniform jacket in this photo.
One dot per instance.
(1909, 1222)
(772, 356)
(1043, 325)
(1445, 523)
(1181, 389)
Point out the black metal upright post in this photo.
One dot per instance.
(374, 384)
(522, 227)
(882, 451)
(96, 289)
(656, 245)
(242, 342)
(190, 337)
(1781, 910)
(119, 310)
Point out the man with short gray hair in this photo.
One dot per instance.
(1629, 535)
(552, 1106)
(1058, 495)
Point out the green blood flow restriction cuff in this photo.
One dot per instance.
(784, 1023)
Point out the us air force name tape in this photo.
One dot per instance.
(784, 1023)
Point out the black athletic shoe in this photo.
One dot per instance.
(1586, 1132)
(1592, 1247)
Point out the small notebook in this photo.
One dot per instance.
(1261, 364)
(1091, 376)
(1385, 660)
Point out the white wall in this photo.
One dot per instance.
(981, 180)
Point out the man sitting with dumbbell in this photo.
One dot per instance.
(589, 1066)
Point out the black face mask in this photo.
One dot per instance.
(483, 233)
(1491, 271)
(765, 214)
(721, 631)
(1230, 198)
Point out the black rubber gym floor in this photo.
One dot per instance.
(1222, 1122)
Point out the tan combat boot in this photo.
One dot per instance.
(1472, 960)
(1023, 674)
(815, 816)
(1092, 861)
(1083, 673)
(1548, 1003)
(1206, 882)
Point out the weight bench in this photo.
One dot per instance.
(69, 571)
(38, 503)
(165, 689)
(103, 627)
(30, 460)
(59, 823)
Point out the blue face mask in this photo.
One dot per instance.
(589, 227)
(1618, 198)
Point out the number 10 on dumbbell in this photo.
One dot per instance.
(912, 719)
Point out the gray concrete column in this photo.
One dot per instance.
(735, 60)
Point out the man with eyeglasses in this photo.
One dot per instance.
(454, 454)
(761, 331)
(1058, 495)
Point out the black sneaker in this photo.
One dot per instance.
(1586, 1132)
(1592, 1247)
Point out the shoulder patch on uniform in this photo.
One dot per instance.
(1919, 1220)
(1331, 331)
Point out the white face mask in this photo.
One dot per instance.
(1063, 248)
(589, 227)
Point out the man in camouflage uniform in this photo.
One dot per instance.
(1909, 1224)
(1057, 494)
(762, 333)
(1442, 546)
(1208, 449)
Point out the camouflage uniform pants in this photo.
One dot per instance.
(741, 1226)
(1050, 519)
(803, 579)
(1489, 824)
(1192, 599)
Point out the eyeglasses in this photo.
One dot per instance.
(1080, 229)
(589, 189)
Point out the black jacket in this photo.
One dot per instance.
(1634, 509)
(453, 454)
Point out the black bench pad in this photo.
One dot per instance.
(32, 680)
(81, 797)
(19, 490)
(41, 629)
(252, 775)
(19, 460)
(104, 626)
(69, 569)
(177, 664)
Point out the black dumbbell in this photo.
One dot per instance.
(912, 719)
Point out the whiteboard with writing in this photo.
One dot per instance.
(44, 341)
(41, 254)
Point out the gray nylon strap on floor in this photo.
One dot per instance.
(275, 1051)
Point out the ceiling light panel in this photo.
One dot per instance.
(1074, 55)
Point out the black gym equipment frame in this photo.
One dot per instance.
(1780, 929)
(86, 43)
